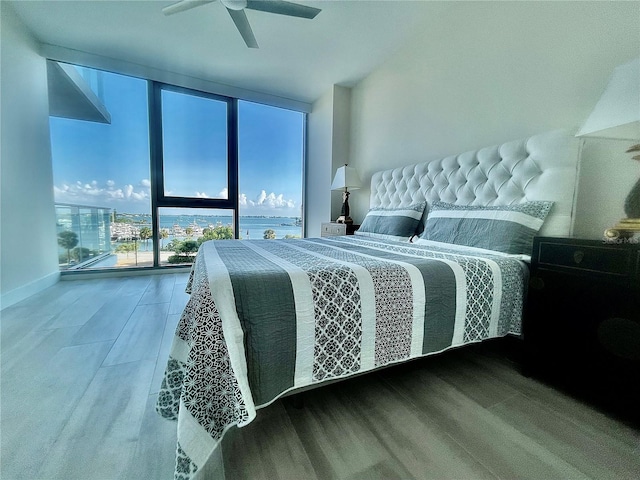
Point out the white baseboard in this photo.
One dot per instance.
(18, 294)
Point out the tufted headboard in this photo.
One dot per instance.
(541, 167)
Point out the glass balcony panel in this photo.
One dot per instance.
(83, 237)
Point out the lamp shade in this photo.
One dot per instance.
(346, 177)
(617, 113)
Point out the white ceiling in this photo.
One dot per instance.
(298, 59)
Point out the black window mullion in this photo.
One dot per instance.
(157, 178)
(232, 162)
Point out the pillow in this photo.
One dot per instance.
(508, 229)
(392, 223)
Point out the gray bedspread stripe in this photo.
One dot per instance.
(440, 297)
(440, 305)
(265, 304)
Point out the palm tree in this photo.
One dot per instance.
(145, 234)
(164, 233)
(68, 239)
(269, 234)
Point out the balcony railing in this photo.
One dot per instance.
(91, 237)
(83, 235)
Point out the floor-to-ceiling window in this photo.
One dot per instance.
(165, 168)
(101, 164)
(270, 161)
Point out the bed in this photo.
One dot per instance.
(440, 261)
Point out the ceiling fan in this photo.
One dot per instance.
(236, 10)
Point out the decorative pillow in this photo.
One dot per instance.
(508, 229)
(395, 223)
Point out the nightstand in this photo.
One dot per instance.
(582, 318)
(333, 229)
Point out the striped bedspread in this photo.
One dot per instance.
(269, 316)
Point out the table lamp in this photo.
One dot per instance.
(346, 178)
(617, 116)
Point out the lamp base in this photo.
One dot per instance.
(625, 228)
(632, 202)
(343, 219)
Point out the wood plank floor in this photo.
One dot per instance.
(83, 360)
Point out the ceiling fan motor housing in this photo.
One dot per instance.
(234, 4)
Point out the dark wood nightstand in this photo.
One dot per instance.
(352, 228)
(582, 319)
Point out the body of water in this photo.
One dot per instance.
(251, 228)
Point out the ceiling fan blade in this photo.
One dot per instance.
(242, 24)
(283, 8)
(184, 5)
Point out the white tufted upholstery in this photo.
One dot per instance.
(541, 167)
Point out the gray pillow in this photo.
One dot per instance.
(508, 229)
(399, 223)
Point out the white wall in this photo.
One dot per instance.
(318, 169)
(341, 141)
(490, 72)
(28, 248)
(328, 149)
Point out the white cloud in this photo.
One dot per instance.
(115, 193)
(145, 182)
(107, 195)
(270, 201)
(139, 195)
(137, 199)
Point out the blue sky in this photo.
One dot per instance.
(108, 165)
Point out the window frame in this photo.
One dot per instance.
(156, 151)
(158, 199)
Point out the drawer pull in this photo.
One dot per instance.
(578, 256)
